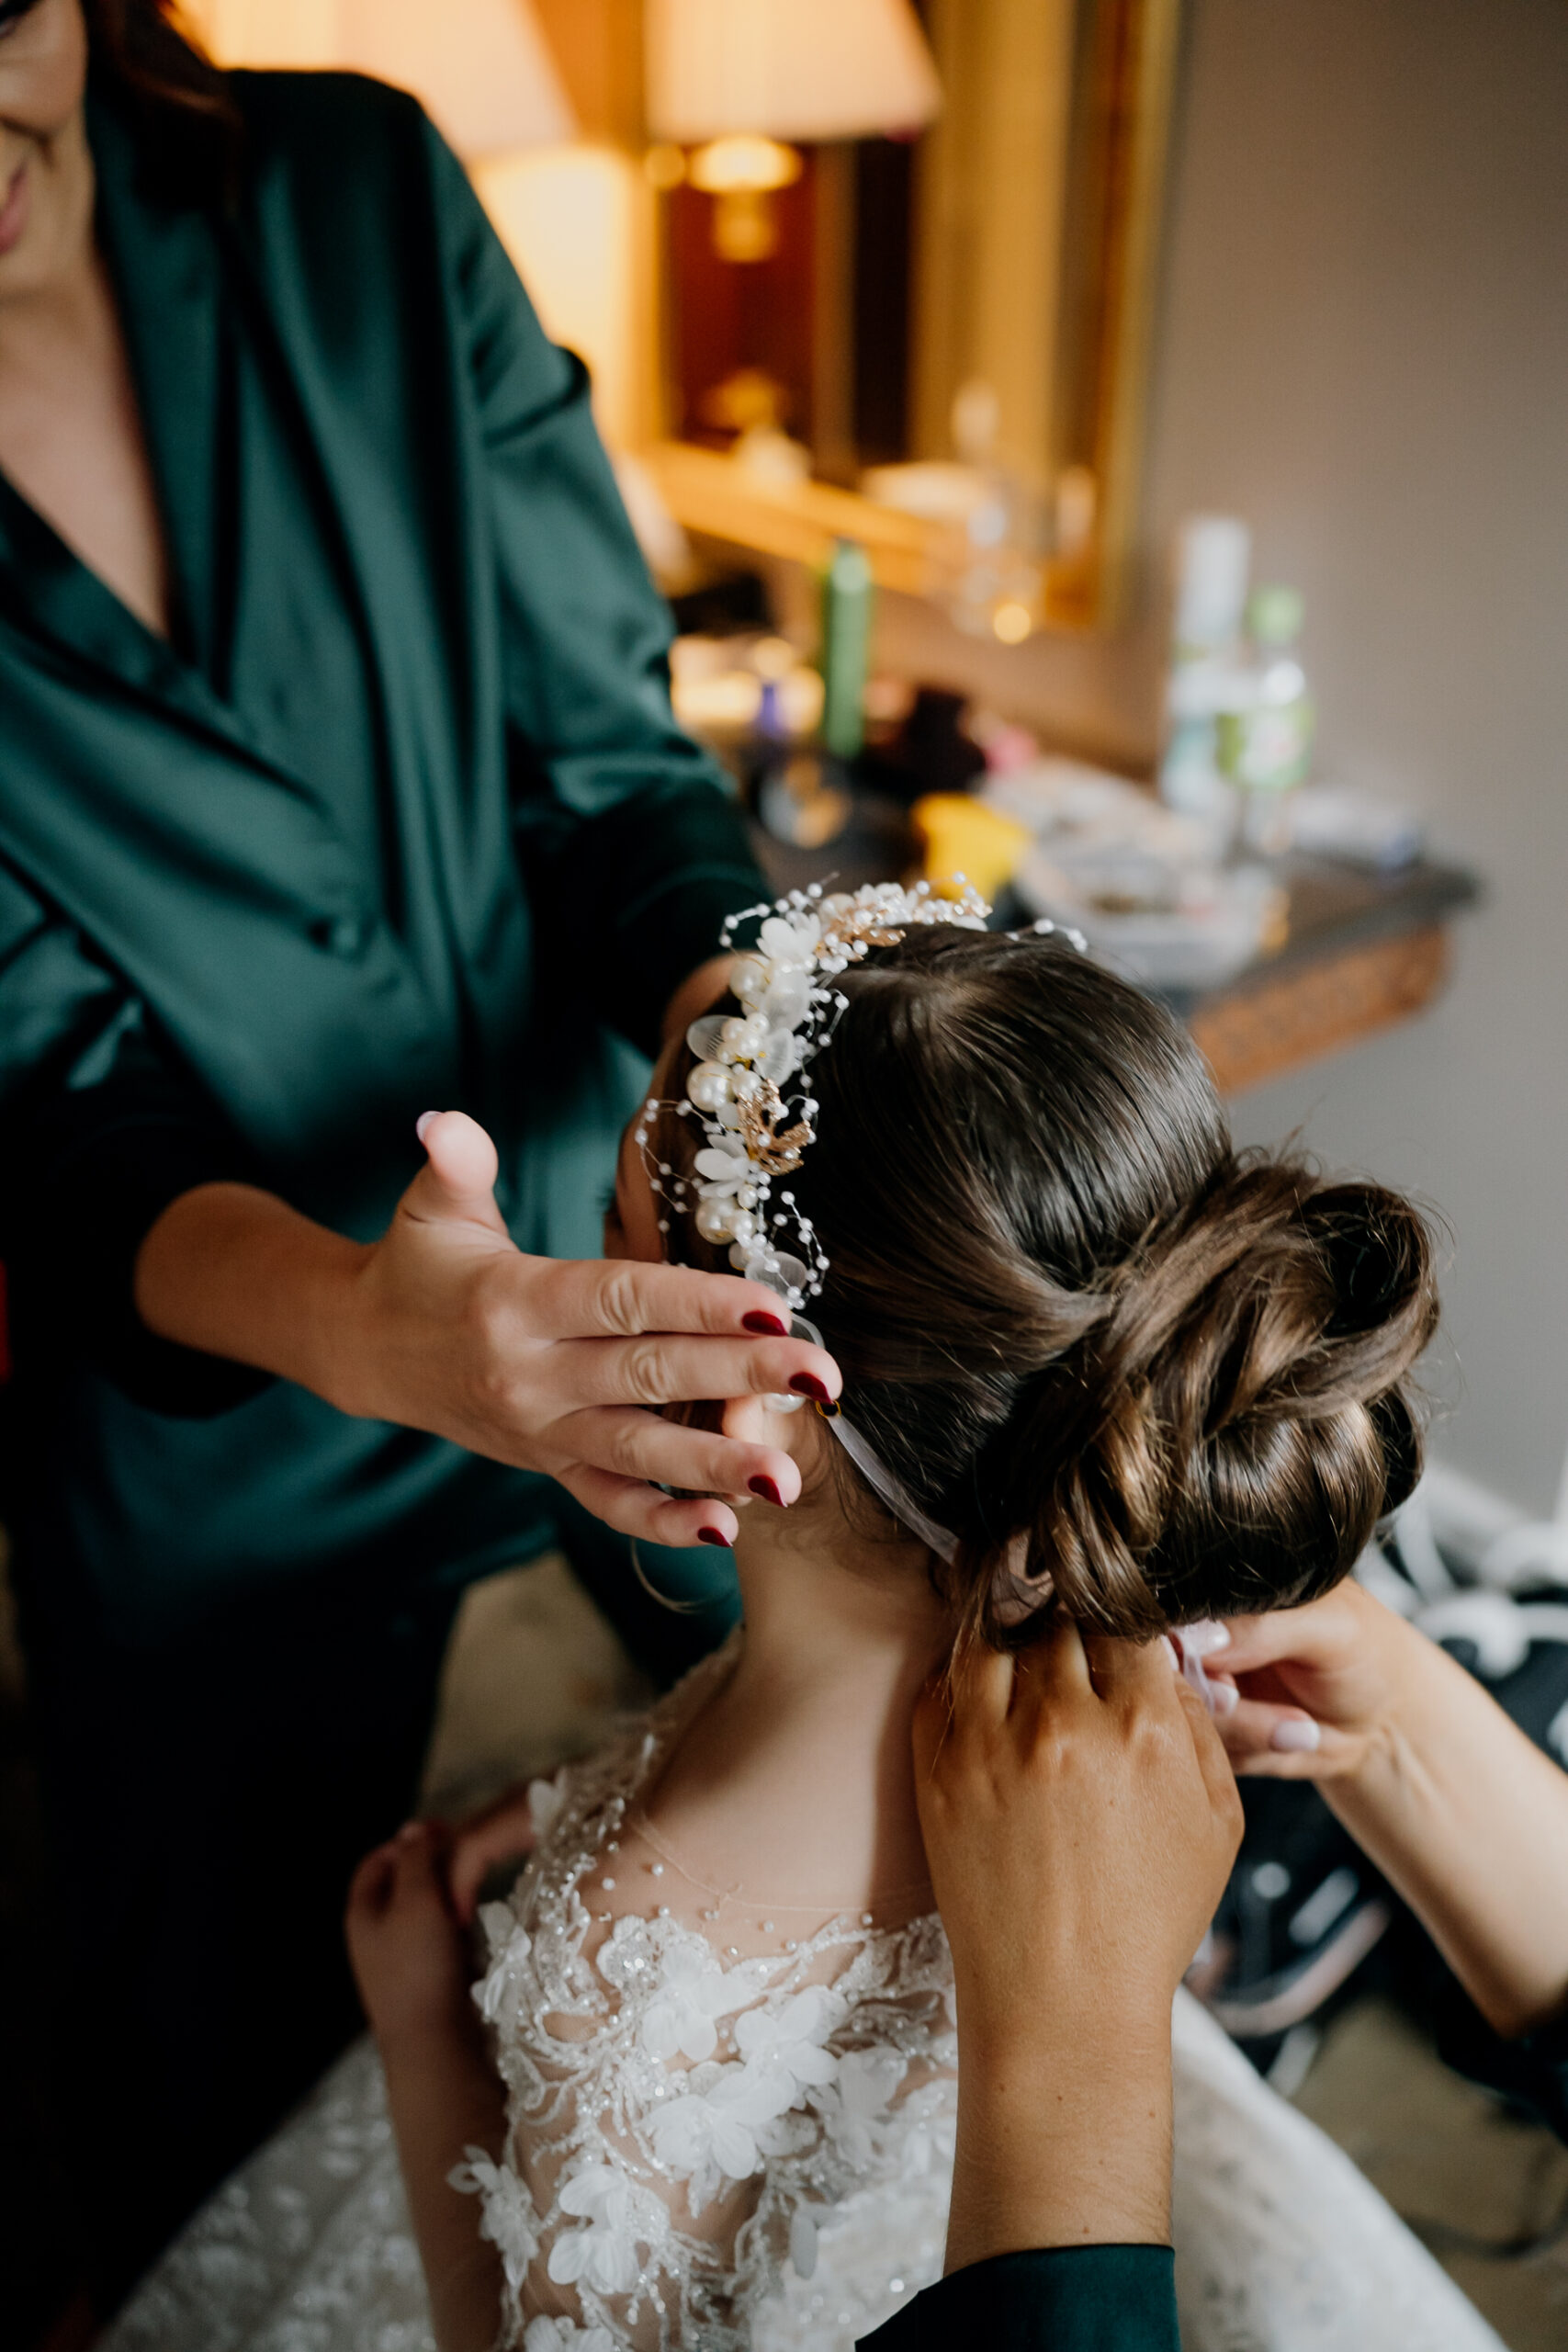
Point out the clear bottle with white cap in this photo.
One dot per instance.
(1265, 746)
(1209, 672)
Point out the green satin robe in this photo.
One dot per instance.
(400, 817)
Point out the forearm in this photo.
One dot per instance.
(237, 1272)
(445, 2097)
(1469, 1820)
(1056, 2148)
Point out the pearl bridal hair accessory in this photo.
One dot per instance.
(1039, 1435)
(751, 1092)
(749, 1089)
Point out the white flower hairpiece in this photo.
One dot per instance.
(749, 1089)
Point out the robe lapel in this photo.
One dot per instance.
(164, 263)
(167, 274)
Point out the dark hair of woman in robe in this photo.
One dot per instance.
(187, 128)
(1151, 1375)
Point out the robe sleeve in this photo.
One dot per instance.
(1060, 2298)
(103, 1127)
(626, 828)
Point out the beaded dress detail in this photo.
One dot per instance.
(722, 2132)
(732, 2130)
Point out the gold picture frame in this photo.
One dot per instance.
(1037, 238)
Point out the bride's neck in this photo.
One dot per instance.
(796, 1780)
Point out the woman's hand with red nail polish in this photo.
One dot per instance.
(444, 1325)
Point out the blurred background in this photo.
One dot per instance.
(1006, 292)
(1115, 448)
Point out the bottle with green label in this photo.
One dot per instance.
(1264, 746)
(847, 598)
(803, 796)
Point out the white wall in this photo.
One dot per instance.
(1364, 349)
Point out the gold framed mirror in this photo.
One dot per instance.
(1034, 219)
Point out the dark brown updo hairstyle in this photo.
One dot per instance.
(1087, 1335)
(187, 127)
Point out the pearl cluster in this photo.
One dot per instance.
(753, 1132)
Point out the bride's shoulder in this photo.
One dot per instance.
(576, 1810)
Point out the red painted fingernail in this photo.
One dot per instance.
(768, 1490)
(805, 1384)
(712, 1535)
(767, 1324)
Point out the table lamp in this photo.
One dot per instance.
(481, 67)
(741, 80)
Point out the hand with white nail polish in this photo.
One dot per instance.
(1458, 1808)
(1191, 1645)
(1310, 1689)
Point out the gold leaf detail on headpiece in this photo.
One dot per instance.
(758, 1127)
(852, 923)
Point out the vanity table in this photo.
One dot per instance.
(1362, 952)
(1358, 953)
(1031, 265)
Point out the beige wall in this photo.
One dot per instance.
(1364, 349)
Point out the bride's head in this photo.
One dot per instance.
(1078, 1329)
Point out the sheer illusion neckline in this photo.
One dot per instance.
(705, 1683)
(690, 2111)
(638, 1825)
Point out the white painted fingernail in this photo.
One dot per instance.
(422, 1121)
(1224, 1698)
(1172, 1652)
(1204, 1636)
(1297, 1736)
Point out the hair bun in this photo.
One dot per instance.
(1230, 1435)
(1118, 1360)
(1399, 1433)
(1376, 1253)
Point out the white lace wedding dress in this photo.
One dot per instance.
(730, 2128)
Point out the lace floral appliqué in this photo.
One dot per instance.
(689, 2128)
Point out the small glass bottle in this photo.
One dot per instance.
(1265, 746)
(1207, 673)
(847, 599)
(803, 797)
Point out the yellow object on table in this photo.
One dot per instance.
(959, 835)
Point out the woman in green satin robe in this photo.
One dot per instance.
(345, 785)
(338, 779)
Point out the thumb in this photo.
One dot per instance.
(456, 1184)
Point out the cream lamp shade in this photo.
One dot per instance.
(481, 67)
(787, 69)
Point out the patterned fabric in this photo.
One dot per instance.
(709, 2144)
(726, 2136)
(306, 2249)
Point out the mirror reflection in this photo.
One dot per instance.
(953, 320)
